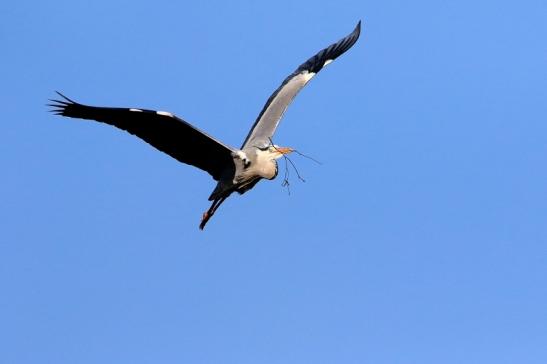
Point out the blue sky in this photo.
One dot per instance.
(422, 238)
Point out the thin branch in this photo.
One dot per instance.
(307, 156)
(286, 182)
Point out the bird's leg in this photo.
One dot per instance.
(209, 213)
(206, 216)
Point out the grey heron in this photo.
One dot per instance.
(235, 170)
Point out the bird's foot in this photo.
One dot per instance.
(204, 218)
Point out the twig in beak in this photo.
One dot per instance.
(307, 156)
(286, 182)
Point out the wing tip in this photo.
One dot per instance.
(59, 107)
(65, 97)
(356, 32)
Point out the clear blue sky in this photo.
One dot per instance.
(421, 239)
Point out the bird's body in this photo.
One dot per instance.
(236, 170)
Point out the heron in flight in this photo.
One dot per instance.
(235, 170)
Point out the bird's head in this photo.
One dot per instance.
(278, 151)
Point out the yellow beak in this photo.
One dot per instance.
(284, 150)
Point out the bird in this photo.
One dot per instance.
(234, 169)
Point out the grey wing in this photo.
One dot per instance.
(268, 119)
(163, 130)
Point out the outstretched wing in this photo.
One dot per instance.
(163, 130)
(268, 119)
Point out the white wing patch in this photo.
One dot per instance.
(239, 154)
(164, 113)
(136, 110)
(327, 62)
(308, 75)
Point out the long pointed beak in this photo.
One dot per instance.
(284, 150)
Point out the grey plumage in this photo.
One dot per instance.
(267, 121)
(236, 170)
